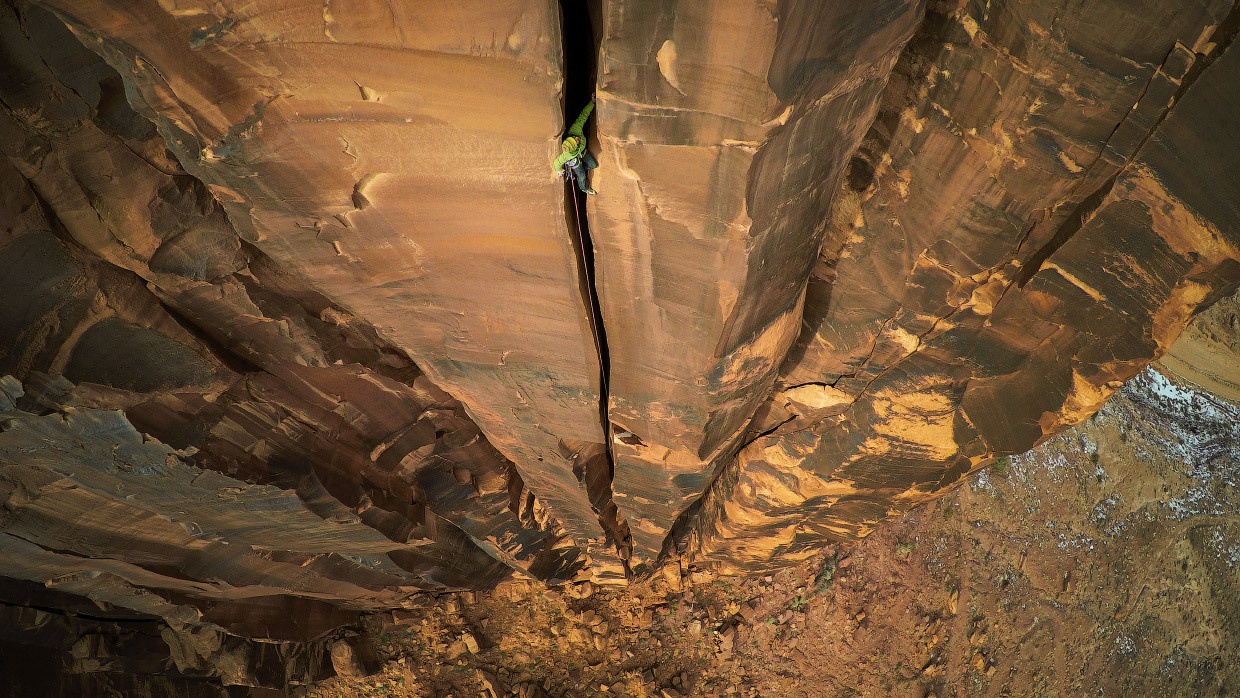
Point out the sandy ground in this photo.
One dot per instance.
(1106, 562)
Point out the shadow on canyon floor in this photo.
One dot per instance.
(1102, 563)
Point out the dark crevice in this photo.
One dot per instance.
(585, 252)
(1066, 230)
(233, 361)
(579, 58)
(580, 50)
(1221, 39)
(128, 620)
(766, 432)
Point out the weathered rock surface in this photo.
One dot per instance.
(724, 129)
(99, 523)
(396, 160)
(1208, 353)
(1039, 227)
(121, 271)
(842, 256)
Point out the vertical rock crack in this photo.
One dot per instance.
(580, 50)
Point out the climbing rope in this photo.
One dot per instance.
(589, 274)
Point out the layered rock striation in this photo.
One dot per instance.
(122, 272)
(1033, 233)
(397, 164)
(307, 267)
(724, 129)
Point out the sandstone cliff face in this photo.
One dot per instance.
(724, 129)
(398, 165)
(113, 251)
(1206, 353)
(1033, 230)
(840, 257)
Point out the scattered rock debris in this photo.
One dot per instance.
(1012, 585)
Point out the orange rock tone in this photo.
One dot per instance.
(839, 257)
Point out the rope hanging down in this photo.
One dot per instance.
(588, 269)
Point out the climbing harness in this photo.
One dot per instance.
(575, 172)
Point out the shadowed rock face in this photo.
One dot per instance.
(122, 272)
(841, 256)
(398, 165)
(100, 523)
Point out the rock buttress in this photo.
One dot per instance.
(127, 276)
(397, 161)
(1047, 216)
(723, 130)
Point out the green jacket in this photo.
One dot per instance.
(575, 141)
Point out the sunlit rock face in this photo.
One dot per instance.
(724, 129)
(1048, 209)
(316, 255)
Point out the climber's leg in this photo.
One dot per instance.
(579, 174)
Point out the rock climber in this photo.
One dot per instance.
(574, 160)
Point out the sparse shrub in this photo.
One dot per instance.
(826, 576)
(1002, 466)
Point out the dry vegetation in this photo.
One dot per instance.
(1102, 563)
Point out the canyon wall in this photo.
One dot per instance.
(309, 269)
(398, 165)
(122, 273)
(1206, 353)
(724, 129)
(1042, 213)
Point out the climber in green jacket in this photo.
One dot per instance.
(574, 160)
